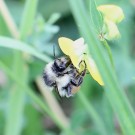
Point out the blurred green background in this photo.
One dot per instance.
(89, 111)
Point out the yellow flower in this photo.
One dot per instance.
(77, 51)
(112, 15)
(112, 31)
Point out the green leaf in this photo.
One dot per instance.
(21, 46)
(95, 16)
(3, 27)
(54, 18)
(28, 17)
(14, 122)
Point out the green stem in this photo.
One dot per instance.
(108, 51)
(15, 112)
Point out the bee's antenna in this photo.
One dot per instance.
(54, 51)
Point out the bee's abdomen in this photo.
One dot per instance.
(48, 81)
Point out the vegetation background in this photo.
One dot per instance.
(26, 108)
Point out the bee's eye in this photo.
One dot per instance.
(60, 65)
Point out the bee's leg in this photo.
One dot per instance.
(83, 73)
(77, 81)
(68, 89)
(56, 87)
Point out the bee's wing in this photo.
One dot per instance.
(75, 90)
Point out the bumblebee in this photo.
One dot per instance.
(63, 76)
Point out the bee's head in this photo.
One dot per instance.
(61, 64)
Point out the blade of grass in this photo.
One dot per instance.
(28, 17)
(8, 19)
(113, 91)
(109, 52)
(15, 110)
(21, 46)
(95, 17)
(16, 105)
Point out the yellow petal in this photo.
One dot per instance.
(112, 31)
(79, 46)
(92, 68)
(72, 49)
(66, 45)
(78, 43)
(75, 60)
(112, 12)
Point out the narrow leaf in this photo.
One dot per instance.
(95, 16)
(28, 17)
(21, 46)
